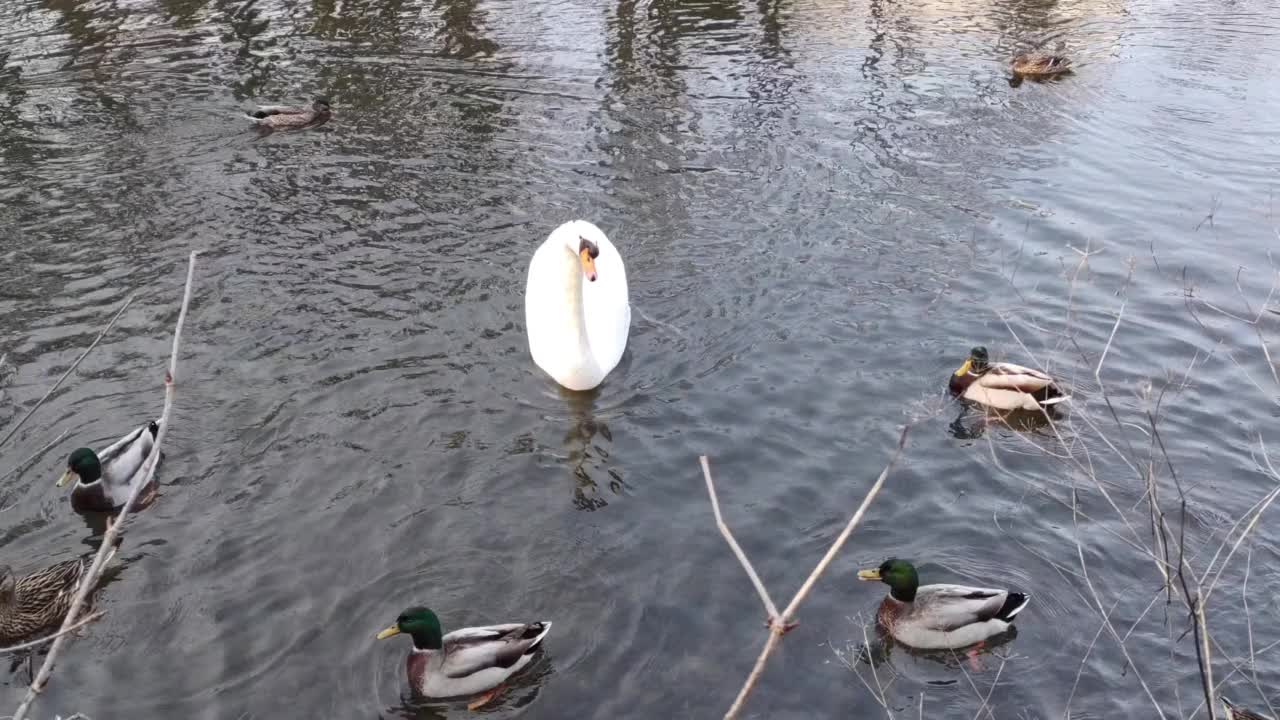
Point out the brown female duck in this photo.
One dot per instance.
(1040, 65)
(1239, 712)
(39, 600)
(282, 117)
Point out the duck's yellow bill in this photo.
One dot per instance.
(65, 477)
(965, 367)
(389, 632)
(872, 574)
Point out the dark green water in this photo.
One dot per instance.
(822, 205)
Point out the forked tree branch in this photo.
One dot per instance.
(780, 623)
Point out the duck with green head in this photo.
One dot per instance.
(467, 661)
(1004, 386)
(940, 617)
(103, 478)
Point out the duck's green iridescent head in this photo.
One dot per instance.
(421, 624)
(899, 575)
(82, 464)
(978, 361)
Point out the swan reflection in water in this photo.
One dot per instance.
(586, 455)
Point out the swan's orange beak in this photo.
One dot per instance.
(588, 264)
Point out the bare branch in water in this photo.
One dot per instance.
(780, 624)
(142, 480)
(48, 638)
(23, 465)
(769, 607)
(74, 365)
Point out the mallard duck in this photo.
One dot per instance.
(1004, 386)
(577, 312)
(1237, 712)
(103, 478)
(40, 600)
(279, 117)
(1036, 64)
(467, 661)
(940, 617)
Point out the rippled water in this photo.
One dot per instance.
(822, 205)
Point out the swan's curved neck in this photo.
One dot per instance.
(571, 281)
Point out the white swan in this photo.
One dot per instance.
(577, 330)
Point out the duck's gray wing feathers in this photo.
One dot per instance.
(115, 449)
(1008, 376)
(950, 607)
(471, 650)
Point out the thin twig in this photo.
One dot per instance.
(779, 626)
(1097, 601)
(143, 479)
(70, 370)
(884, 701)
(769, 607)
(22, 465)
(34, 643)
(986, 701)
(848, 530)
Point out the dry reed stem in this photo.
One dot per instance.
(143, 479)
(1098, 604)
(23, 465)
(879, 693)
(47, 638)
(780, 624)
(986, 700)
(74, 365)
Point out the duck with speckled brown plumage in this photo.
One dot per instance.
(1040, 65)
(39, 600)
(1239, 712)
(283, 117)
(940, 617)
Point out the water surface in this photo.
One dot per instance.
(822, 206)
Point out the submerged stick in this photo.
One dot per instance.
(143, 479)
(76, 626)
(74, 365)
(31, 458)
(781, 623)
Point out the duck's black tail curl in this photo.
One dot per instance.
(1013, 605)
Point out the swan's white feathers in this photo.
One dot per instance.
(577, 329)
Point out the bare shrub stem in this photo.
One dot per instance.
(779, 624)
(143, 479)
(74, 365)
